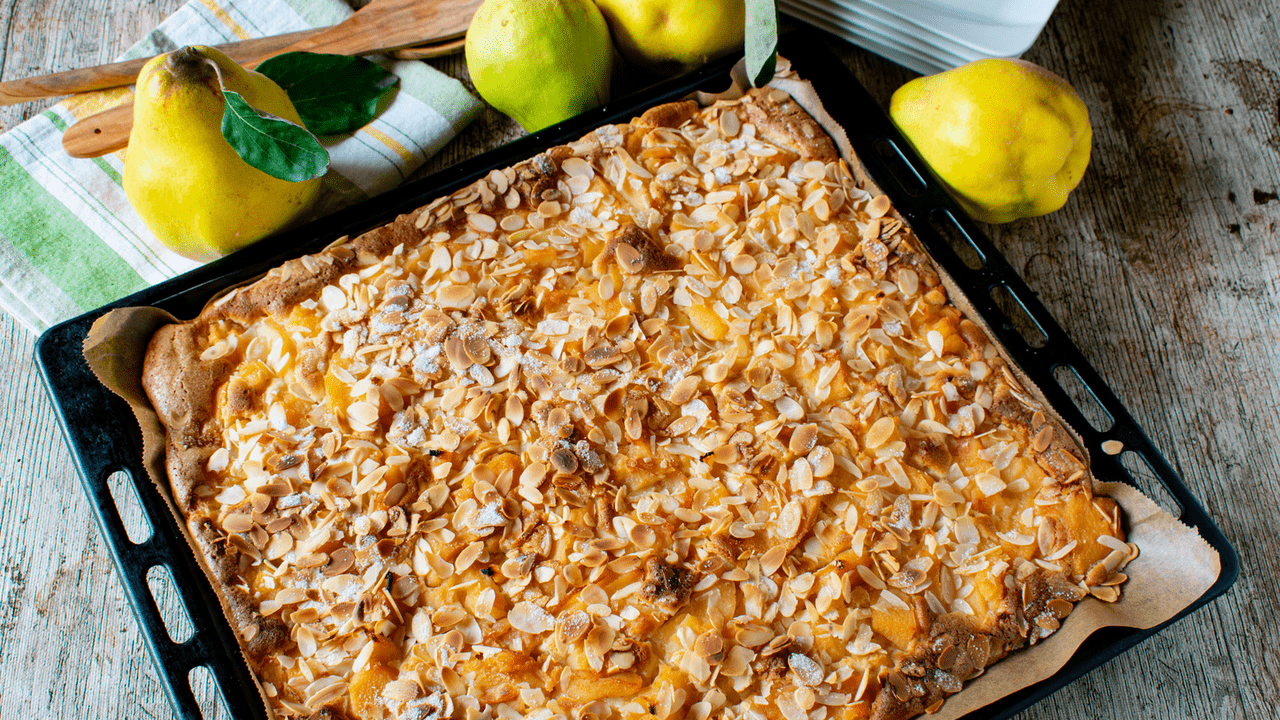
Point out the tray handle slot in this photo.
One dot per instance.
(1019, 316)
(208, 693)
(1083, 397)
(173, 611)
(909, 180)
(129, 508)
(162, 610)
(170, 655)
(950, 230)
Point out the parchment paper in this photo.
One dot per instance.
(1174, 568)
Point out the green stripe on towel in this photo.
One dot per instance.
(80, 263)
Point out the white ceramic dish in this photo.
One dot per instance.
(929, 36)
(996, 28)
(909, 57)
(872, 18)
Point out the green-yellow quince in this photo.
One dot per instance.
(1008, 138)
(540, 61)
(183, 178)
(669, 36)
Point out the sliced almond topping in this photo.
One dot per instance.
(482, 223)
(773, 559)
(879, 206)
(629, 259)
(280, 546)
(530, 618)
(880, 432)
(602, 356)
(340, 561)
(803, 438)
(458, 297)
(572, 627)
(684, 390)
(807, 672)
(237, 523)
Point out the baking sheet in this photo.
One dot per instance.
(1167, 544)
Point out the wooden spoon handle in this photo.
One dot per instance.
(97, 135)
(126, 72)
(426, 52)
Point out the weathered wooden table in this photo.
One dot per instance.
(1164, 268)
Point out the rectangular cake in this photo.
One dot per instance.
(675, 421)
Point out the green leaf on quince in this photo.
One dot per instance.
(277, 147)
(762, 41)
(332, 93)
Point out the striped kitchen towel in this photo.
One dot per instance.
(70, 241)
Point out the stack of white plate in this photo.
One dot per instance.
(929, 36)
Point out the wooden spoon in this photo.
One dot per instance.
(380, 26)
(125, 72)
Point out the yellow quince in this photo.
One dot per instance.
(1008, 138)
(183, 178)
(540, 61)
(668, 36)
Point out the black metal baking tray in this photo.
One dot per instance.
(104, 438)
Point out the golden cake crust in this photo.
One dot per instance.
(671, 421)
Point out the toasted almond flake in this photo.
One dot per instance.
(482, 223)
(280, 545)
(1016, 538)
(803, 438)
(1112, 447)
(571, 627)
(448, 616)
(1113, 543)
(807, 672)
(880, 432)
(773, 559)
(643, 536)
(879, 206)
(718, 197)
(743, 264)
(629, 259)
(237, 523)
(306, 641)
(576, 166)
(456, 297)
(322, 696)
(684, 390)
(935, 342)
(1105, 593)
(468, 556)
(989, 484)
(789, 409)
(603, 356)
(730, 124)
(605, 288)
(333, 298)
(363, 413)
(870, 578)
(512, 223)
(594, 595)
(801, 475)
(530, 618)
(599, 639)
(789, 521)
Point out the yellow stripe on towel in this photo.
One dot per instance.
(225, 17)
(390, 142)
(83, 105)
